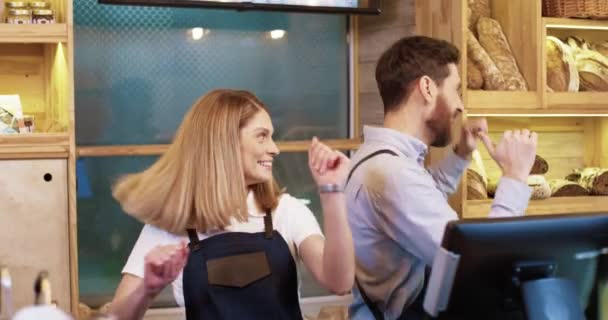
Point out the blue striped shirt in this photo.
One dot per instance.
(398, 211)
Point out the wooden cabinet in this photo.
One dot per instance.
(447, 19)
(34, 220)
(566, 143)
(36, 63)
(572, 126)
(526, 31)
(38, 217)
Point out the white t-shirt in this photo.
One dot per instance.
(292, 219)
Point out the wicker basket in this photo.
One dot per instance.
(595, 9)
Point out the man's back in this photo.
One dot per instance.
(390, 271)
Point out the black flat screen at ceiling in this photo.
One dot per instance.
(317, 6)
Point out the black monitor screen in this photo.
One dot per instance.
(498, 255)
(319, 6)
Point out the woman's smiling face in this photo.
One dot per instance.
(258, 149)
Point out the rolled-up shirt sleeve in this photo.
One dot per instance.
(511, 198)
(448, 171)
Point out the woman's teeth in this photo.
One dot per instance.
(266, 164)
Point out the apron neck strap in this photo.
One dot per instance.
(268, 229)
(194, 241)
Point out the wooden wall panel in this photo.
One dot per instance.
(375, 35)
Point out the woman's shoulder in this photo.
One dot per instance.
(295, 220)
(155, 234)
(287, 201)
(290, 207)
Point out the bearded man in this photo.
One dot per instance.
(398, 209)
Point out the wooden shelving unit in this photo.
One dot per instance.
(572, 126)
(591, 204)
(35, 146)
(577, 24)
(581, 102)
(38, 169)
(33, 33)
(578, 102)
(491, 102)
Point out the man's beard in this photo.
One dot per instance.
(440, 123)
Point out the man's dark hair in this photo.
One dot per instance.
(406, 61)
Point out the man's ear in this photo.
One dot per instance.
(428, 89)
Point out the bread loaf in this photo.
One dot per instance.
(493, 40)
(602, 48)
(577, 44)
(476, 188)
(593, 70)
(595, 180)
(540, 187)
(565, 188)
(474, 77)
(540, 166)
(492, 77)
(476, 9)
(562, 74)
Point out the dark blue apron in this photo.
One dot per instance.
(237, 275)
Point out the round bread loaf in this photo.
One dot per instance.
(562, 74)
(593, 70)
(540, 187)
(602, 48)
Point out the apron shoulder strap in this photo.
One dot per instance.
(194, 241)
(268, 229)
(371, 155)
(378, 315)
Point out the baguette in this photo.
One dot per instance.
(492, 77)
(493, 40)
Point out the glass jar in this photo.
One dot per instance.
(16, 5)
(42, 16)
(19, 16)
(39, 5)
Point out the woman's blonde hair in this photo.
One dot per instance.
(199, 182)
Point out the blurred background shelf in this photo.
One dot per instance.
(33, 33)
(570, 23)
(34, 146)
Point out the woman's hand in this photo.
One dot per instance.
(331, 260)
(162, 265)
(327, 166)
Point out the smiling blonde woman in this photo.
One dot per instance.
(215, 184)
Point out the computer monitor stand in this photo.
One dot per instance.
(546, 297)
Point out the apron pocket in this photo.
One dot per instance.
(239, 270)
